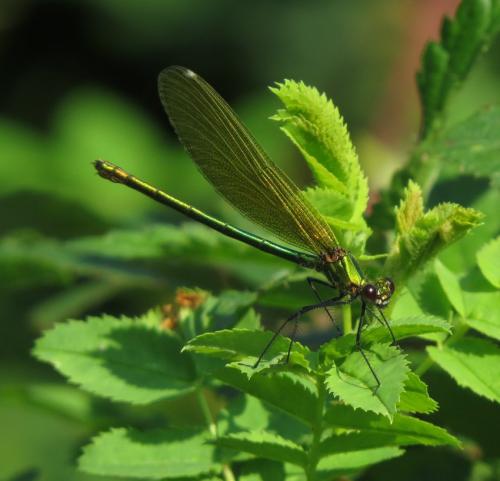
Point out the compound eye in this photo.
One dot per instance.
(390, 285)
(370, 292)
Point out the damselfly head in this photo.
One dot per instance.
(379, 292)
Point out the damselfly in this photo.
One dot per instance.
(229, 157)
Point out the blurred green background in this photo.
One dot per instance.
(78, 82)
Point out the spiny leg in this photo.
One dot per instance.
(358, 344)
(295, 317)
(312, 284)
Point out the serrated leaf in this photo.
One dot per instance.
(330, 467)
(447, 63)
(488, 259)
(415, 397)
(247, 345)
(121, 359)
(300, 393)
(430, 232)
(451, 286)
(265, 445)
(247, 413)
(411, 208)
(337, 209)
(354, 383)
(482, 301)
(402, 431)
(402, 328)
(473, 363)
(318, 130)
(471, 146)
(484, 315)
(154, 455)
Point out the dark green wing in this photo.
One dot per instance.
(230, 158)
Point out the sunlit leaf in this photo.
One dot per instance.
(266, 445)
(488, 259)
(473, 363)
(244, 344)
(121, 359)
(421, 236)
(154, 455)
(341, 463)
(402, 328)
(318, 130)
(354, 383)
(451, 286)
(415, 397)
(403, 430)
(271, 388)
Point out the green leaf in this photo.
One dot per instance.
(247, 345)
(482, 301)
(415, 397)
(247, 413)
(462, 256)
(330, 467)
(318, 130)
(402, 328)
(488, 259)
(262, 470)
(337, 210)
(447, 63)
(451, 286)
(471, 146)
(420, 236)
(402, 431)
(215, 312)
(155, 455)
(265, 445)
(483, 314)
(354, 383)
(473, 363)
(121, 359)
(301, 394)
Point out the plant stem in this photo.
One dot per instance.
(317, 429)
(212, 427)
(346, 319)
